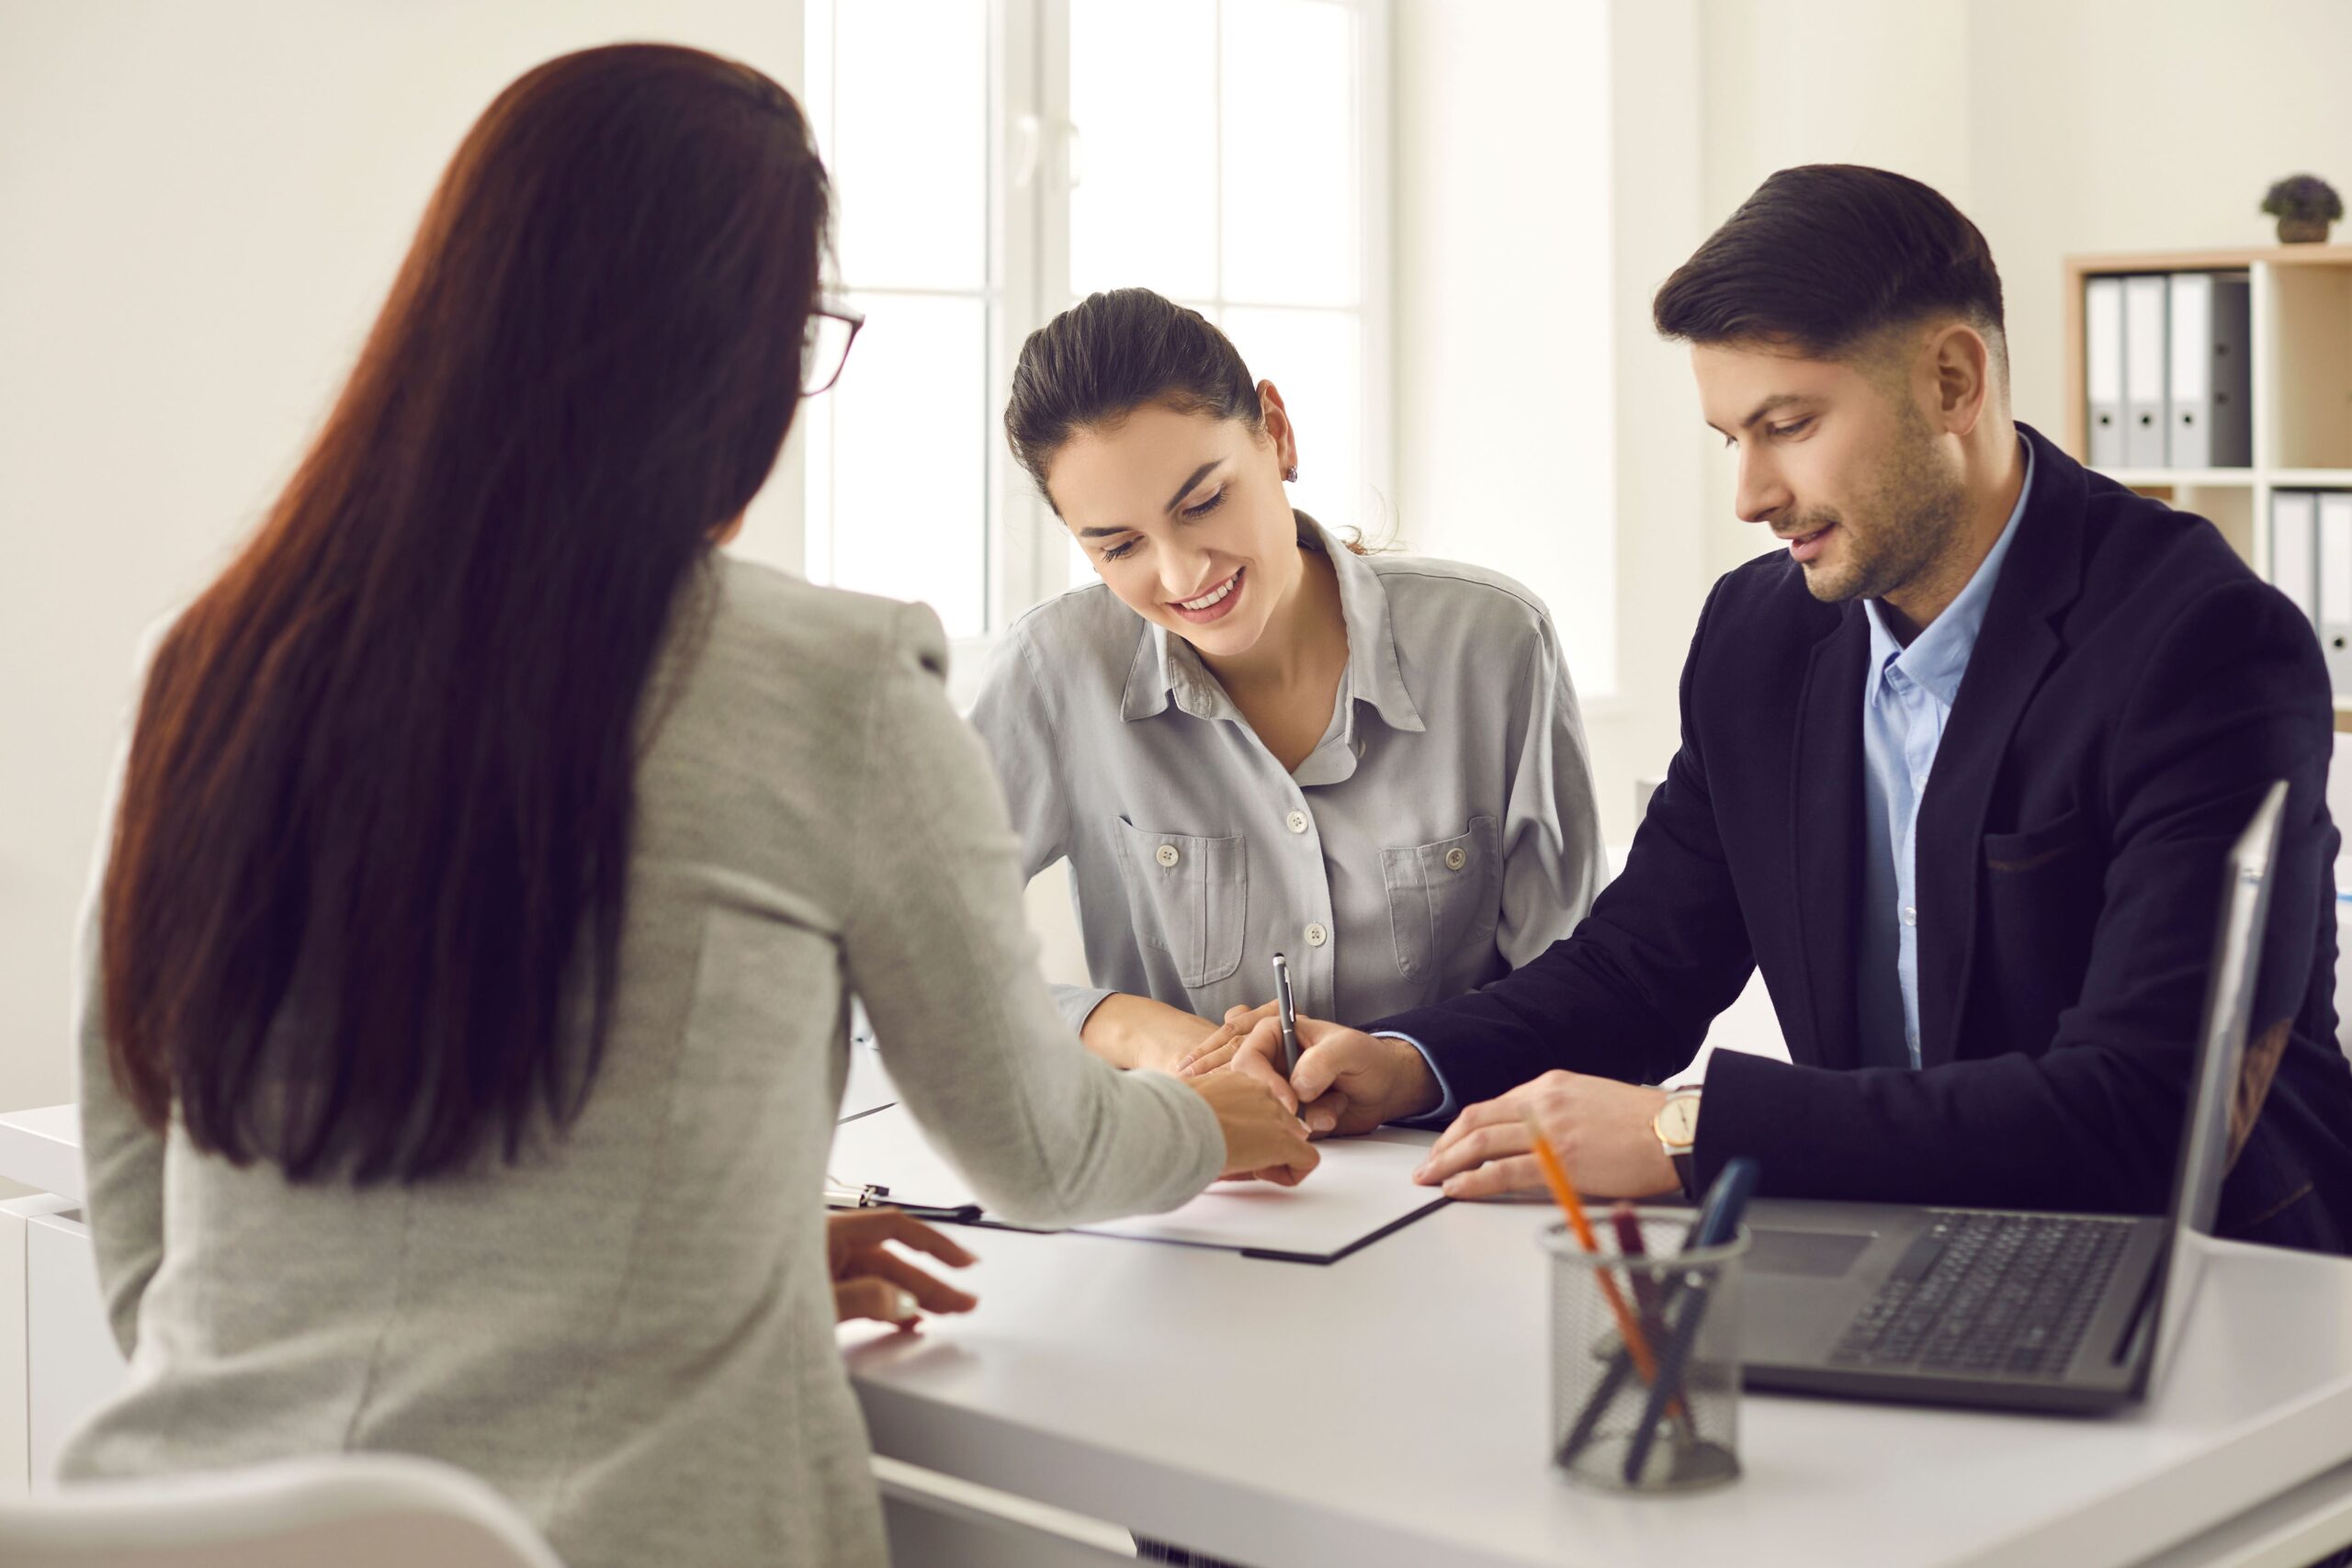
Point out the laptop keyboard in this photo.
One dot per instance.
(2006, 1294)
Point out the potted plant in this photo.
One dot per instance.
(2304, 205)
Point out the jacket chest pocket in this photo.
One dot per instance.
(1442, 897)
(2042, 892)
(1189, 897)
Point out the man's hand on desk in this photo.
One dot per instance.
(870, 1281)
(1601, 1129)
(1347, 1082)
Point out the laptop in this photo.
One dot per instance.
(2018, 1310)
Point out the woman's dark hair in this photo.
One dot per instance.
(365, 900)
(1108, 355)
(1825, 256)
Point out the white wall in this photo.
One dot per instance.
(1664, 449)
(1501, 275)
(201, 209)
(1540, 427)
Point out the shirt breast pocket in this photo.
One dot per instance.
(1441, 898)
(1188, 896)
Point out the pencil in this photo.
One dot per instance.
(1638, 1344)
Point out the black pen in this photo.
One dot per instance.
(1289, 1011)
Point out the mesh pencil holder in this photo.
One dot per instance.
(1658, 1410)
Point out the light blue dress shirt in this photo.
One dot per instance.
(1907, 693)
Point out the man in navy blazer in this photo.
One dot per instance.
(1958, 771)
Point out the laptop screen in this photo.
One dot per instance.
(2206, 1143)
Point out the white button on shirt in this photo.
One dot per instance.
(1453, 832)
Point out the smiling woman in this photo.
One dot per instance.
(1248, 737)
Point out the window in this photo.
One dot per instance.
(897, 496)
(995, 161)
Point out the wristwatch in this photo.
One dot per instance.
(1676, 1126)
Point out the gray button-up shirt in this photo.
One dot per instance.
(1441, 833)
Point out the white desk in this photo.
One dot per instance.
(57, 1354)
(1392, 1409)
(42, 1148)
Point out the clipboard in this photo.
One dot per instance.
(1360, 1192)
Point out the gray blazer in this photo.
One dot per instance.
(630, 1333)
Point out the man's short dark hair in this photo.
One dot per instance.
(1825, 257)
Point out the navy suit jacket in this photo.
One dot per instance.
(2133, 691)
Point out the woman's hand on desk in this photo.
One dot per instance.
(1348, 1081)
(869, 1281)
(1138, 1032)
(1263, 1137)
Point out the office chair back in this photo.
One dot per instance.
(338, 1511)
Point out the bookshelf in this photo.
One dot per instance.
(2301, 346)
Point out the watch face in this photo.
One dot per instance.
(1678, 1121)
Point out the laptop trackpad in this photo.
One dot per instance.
(1822, 1255)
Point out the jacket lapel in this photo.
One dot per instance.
(1825, 799)
(2013, 651)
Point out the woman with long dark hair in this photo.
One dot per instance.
(466, 1002)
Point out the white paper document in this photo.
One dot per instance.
(1363, 1190)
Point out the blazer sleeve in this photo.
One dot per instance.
(2231, 697)
(1551, 830)
(936, 945)
(123, 1158)
(1015, 717)
(1629, 995)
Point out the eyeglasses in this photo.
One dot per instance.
(824, 347)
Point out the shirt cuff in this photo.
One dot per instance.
(1445, 1105)
(1078, 1003)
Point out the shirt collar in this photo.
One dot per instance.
(1166, 666)
(1938, 657)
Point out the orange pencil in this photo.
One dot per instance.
(1638, 1344)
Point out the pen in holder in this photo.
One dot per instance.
(1612, 1425)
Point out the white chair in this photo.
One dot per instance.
(335, 1511)
(935, 1519)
